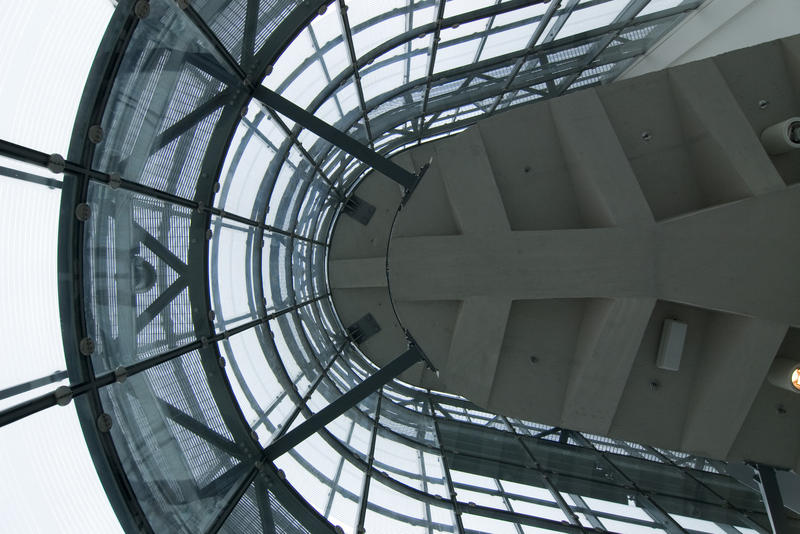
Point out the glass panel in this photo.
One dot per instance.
(177, 452)
(30, 316)
(151, 135)
(136, 253)
(230, 268)
(589, 18)
(41, 90)
(49, 481)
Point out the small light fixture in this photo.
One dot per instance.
(785, 373)
(796, 378)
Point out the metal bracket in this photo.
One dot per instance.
(359, 209)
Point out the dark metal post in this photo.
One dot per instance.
(364, 499)
(771, 494)
(450, 487)
(317, 421)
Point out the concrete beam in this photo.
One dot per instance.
(469, 181)
(609, 339)
(475, 347)
(703, 92)
(606, 186)
(693, 38)
(608, 262)
(737, 355)
(738, 258)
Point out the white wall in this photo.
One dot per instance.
(721, 26)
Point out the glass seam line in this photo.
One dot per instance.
(16, 412)
(41, 159)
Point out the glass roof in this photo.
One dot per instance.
(198, 329)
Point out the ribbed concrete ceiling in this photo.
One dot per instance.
(545, 247)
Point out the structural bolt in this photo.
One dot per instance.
(104, 422)
(95, 133)
(63, 395)
(780, 409)
(141, 9)
(121, 374)
(654, 384)
(647, 137)
(86, 346)
(83, 211)
(114, 180)
(221, 361)
(763, 104)
(56, 163)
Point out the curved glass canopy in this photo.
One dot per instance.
(197, 205)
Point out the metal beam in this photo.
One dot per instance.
(285, 107)
(348, 400)
(364, 498)
(348, 34)
(773, 502)
(433, 47)
(446, 468)
(32, 384)
(51, 183)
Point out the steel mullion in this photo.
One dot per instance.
(50, 183)
(30, 385)
(507, 503)
(351, 51)
(349, 399)
(409, 26)
(556, 45)
(370, 56)
(481, 45)
(446, 468)
(587, 511)
(335, 136)
(293, 140)
(325, 71)
(648, 504)
(562, 19)
(315, 423)
(339, 469)
(557, 497)
(686, 471)
(364, 498)
(433, 47)
(212, 38)
(190, 120)
(424, 478)
(287, 423)
(625, 16)
(249, 32)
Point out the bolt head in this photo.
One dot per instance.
(95, 133)
(83, 211)
(86, 346)
(104, 422)
(141, 9)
